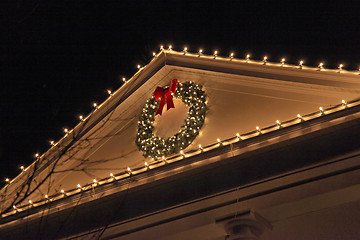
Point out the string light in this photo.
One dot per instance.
(301, 64)
(215, 54)
(147, 166)
(278, 123)
(340, 68)
(258, 129)
(247, 58)
(79, 186)
(182, 153)
(52, 143)
(231, 56)
(37, 154)
(7, 180)
(62, 191)
(81, 117)
(138, 66)
(30, 202)
(185, 50)
(282, 62)
(14, 207)
(265, 60)
(129, 171)
(164, 159)
(321, 66)
(321, 110)
(154, 54)
(170, 47)
(22, 168)
(200, 147)
(109, 91)
(200, 52)
(238, 136)
(161, 47)
(299, 117)
(219, 141)
(46, 196)
(95, 182)
(344, 103)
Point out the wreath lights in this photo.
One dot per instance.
(155, 147)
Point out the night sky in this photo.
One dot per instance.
(58, 57)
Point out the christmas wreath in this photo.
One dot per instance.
(193, 96)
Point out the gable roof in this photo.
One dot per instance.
(241, 96)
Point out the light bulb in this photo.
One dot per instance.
(301, 64)
(109, 91)
(124, 80)
(278, 123)
(258, 129)
(247, 58)
(265, 60)
(282, 61)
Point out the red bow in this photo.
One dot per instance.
(165, 94)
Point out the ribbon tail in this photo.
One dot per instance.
(161, 106)
(169, 101)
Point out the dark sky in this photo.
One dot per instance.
(57, 57)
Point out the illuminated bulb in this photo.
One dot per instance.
(231, 56)
(81, 117)
(321, 110)
(215, 54)
(299, 117)
(282, 61)
(124, 80)
(36, 155)
(112, 175)
(147, 166)
(95, 105)
(79, 186)
(258, 129)
(340, 67)
(154, 54)
(138, 66)
(344, 103)
(200, 52)
(278, 123)
(182, 152)
(265, 60)
(14, 207)
(301, 64)
(247, 58)
(22, 168)
(62, 191)
(30, 202)
(185, 50)
(109, 92)
(161, 47)
(170, 47)
(46, 196)
(238, 135)
(129, 171)
(95, 181)
(321, 66)
(7, 180)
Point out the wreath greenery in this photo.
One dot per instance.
(152, 146)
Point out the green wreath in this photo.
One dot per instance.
(152, 146)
